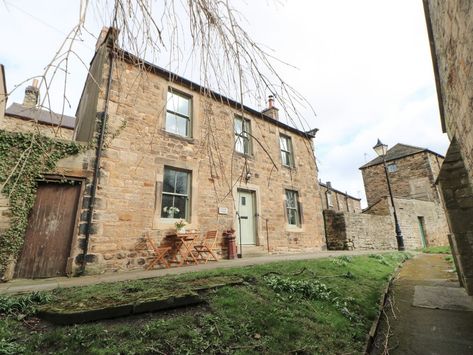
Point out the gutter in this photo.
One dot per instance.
(98, 155)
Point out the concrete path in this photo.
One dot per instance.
(24, 285)
(427, 312)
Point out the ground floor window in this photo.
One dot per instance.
(176, 194)
(292, 208)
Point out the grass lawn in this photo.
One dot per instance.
(437, 250)
(323, 306)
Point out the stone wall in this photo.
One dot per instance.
(415, 178)
(450, 28)
(138, 148)
(13, 124)
(346, 230)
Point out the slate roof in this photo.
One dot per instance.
(398, 151)
(41, 115)
(338, 191)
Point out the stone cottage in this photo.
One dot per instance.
(413, 172)
(167, 149)
(450, 25)
(29, 116)
(333, 199)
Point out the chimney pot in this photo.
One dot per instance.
(271, 111)
(31, 95)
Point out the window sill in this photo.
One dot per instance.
(289, 167)
(292, 228)
(243, 155)
(189, 140)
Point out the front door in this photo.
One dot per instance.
(246, 214)
(49, 233)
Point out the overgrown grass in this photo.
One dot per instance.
(437, 250)
(321, 306)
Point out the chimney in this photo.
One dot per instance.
(101, 38)
(329, 185)
(271, 111)
(31, 95)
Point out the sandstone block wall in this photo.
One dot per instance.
(346, 230)
(450, 27)
(138, 149)
(13, 124)
(415, 178)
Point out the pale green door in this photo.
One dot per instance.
(246, 212)
(422, 231)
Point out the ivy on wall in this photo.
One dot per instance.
(24, 157)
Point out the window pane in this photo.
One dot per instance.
(169, 180)
(291, 199)
(246, 146)
(167, 210)
(292, 216)
(283, 143)
(180, 204)
(181, 126)
(171, 123)
(286, 159)
(238, 125)
(239, 144)
(181, 182)
(179, 104)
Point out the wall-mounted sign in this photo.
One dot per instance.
(222, 210)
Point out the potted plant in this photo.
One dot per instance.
(180, 226)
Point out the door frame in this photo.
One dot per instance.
(63, 179)
(254, 201)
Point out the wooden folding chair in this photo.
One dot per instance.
(206, 248)
(160, 254)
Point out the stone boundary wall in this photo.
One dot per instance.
(346, 230)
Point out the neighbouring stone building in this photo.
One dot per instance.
(450, 28)
(336, 200)
(413, 172)
(30, 117)
(171, 150)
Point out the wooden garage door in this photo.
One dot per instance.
(49, 233)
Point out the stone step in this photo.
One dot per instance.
(253, 250)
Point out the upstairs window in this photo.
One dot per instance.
(392, 167)
(287, 156)
(176, 193)
(178, 114)
(242, 129)
(292, 208)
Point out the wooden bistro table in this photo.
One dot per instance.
(184, 246)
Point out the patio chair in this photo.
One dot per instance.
(160, 254)
(205, 249)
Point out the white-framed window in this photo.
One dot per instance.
(179, 113)
(292, 208)
(242, 129)
(176, 194)
(392, 167)
(287, 156)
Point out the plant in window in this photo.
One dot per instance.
(171, 211)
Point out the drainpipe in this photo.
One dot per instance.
(98, 155)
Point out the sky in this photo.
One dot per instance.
(364, 66)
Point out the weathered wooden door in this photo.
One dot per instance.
(49, 233)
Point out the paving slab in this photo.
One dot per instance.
(408, 329)
(438, 297)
